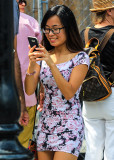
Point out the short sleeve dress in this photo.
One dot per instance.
(61, 125)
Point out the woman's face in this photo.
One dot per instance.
(57, 35)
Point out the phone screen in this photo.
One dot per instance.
(33, 41)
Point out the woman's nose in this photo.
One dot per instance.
(51, 32)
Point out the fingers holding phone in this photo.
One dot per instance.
(41, 52)
(33, 42)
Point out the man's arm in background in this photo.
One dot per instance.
(24, 118)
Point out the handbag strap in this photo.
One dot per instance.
(86, 35)
(102, 44)
(105, 40)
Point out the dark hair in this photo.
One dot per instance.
(21, 1)
(73, 42)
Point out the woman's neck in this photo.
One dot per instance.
(60, 51)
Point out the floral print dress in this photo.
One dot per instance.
(61, 125)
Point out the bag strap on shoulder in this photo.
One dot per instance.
(105, 40)
(86, 35)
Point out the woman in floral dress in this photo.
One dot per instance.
(63, 68)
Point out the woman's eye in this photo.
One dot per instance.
(55, 29)
(47, 29)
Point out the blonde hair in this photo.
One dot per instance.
(99, 17)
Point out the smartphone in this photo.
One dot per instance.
(33, 41)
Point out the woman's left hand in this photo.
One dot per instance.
(24, 118)
(43, 54)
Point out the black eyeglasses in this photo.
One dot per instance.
(54, 30)
(22, 1)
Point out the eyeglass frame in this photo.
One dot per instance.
(22, 1)
(51, 29)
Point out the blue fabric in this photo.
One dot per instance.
(16, 16)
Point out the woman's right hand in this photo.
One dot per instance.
(41, 54)
(32, 56)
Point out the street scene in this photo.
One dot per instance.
(56, 80)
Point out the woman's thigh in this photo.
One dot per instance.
(45, 155)
(64, 156)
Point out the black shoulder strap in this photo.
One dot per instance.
(105, 39)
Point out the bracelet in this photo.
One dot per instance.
(30, 74)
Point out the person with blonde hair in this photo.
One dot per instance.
(99, 115)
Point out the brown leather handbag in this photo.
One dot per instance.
(96, 86)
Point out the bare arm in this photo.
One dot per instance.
(31, 81)
(24, 118)
(68, 88)
(18, 77)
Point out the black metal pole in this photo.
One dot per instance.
(10, 148)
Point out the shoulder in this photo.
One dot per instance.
(28, 17)
(99, 33)
(30, 21)
(81, 58)
(82, 55)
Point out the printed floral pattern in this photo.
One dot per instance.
(61, 125)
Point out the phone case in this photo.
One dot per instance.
(33, 41)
